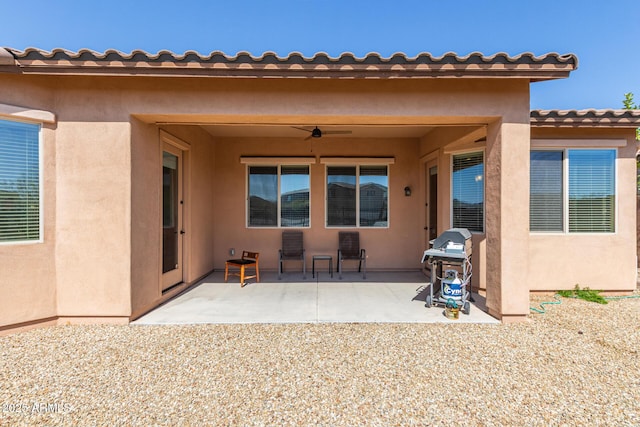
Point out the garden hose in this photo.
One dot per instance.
(558, 301)
(542, 310)
(622, 297)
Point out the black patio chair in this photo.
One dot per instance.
(292, 249)
(349, 249)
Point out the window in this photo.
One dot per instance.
(357, 196)
(592, 191)
(278, 196)
(19, 182)
(468, 191)
(545, 191)
(589, 189)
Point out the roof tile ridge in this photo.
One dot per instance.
(594, 112)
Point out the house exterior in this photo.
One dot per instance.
(125, 178)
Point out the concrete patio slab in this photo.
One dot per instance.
(385, 297)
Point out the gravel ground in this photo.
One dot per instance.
(575, 365)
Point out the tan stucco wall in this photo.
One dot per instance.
(146, 196)
(28, 271)
(599, 260)
(102, 198)
(507, 216)
(93, 252)
(396, 247)
(199, 220)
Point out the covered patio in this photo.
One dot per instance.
(384, 297)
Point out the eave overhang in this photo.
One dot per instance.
(586, 118)
(295, 65)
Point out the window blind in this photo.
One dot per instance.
(468, 191)
(591, 191)
(19, 181)
(545, 191)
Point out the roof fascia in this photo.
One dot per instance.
(622, 119)
(269, 65)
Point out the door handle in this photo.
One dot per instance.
(182, 231)
(426, 228)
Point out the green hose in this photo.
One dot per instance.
(558, 301)
(622, 297)
(542, 310)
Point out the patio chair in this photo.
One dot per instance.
(249, 259)
(292, 249)
(349, 249)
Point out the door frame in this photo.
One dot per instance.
(171, 143)
(428, 161)
(431, 234)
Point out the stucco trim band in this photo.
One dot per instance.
(563, 143)
(277, 160)
(359, 160)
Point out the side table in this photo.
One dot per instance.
(321, 258)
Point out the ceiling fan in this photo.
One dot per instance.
(317, 133)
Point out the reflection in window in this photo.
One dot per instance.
(468, 191)
(263, 196)
(341, 196)
(279, 196)
(169, 189)
(373, 196)
(357, 196)
(294, 199)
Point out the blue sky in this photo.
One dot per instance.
(604, 35)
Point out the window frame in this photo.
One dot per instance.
(484, 186)
(41, 199)
(565, 189)
(357, 164)
(278, 166)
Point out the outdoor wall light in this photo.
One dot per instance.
(407, 191)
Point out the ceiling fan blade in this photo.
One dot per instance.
(337, 132)
(309, 137)
(306, 130)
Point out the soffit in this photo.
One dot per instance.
(320, 65)
(272, 131)
(586, 118)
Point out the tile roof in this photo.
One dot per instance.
(243, 64)
(590, 118)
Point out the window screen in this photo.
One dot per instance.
(468, 191)
(545, 191)
(278, 196)
(591, 191)
(19, 182)
(373, 196)
(341, 196)
(294, 199)
(263, 196)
